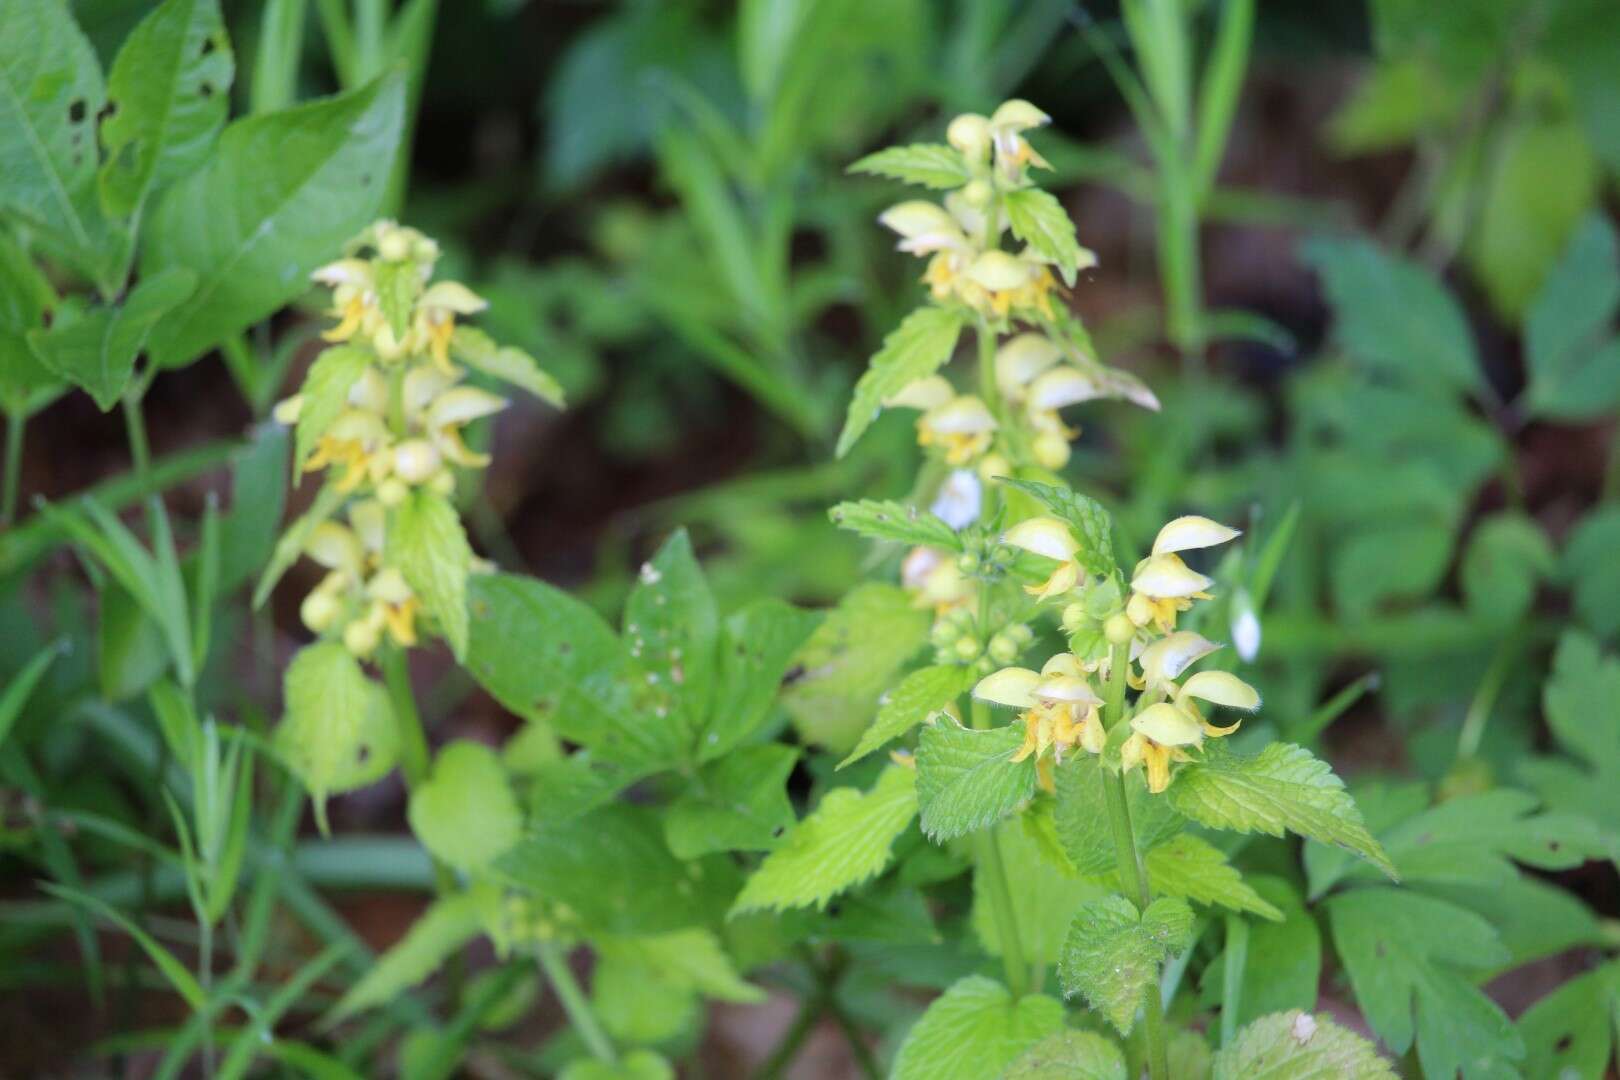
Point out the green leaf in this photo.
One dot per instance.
(610, 872)
(931, 165)
(184, 983)
(447, 925)
(919, 694)
(258, 498)
(1393, 314)
(738, 803)
(478, 351)
(398, 285)
(671, 626)
(889, 520)
(1570, 1032)
(975, 1030)
(280, 196)
(1592, 573)
(1398, 561)
(757, 645)
(841, 843)
(1295, 1045)
(26, 294)
(1469, 840)
(689, 959)
(1045, 898)
(1081, 815)
(338, 733)
(1281, 788)
(1569, 347)
(850, 661)
(1283, 966)
(1507, 557)
(95, 347)
(917, 348)
(429, 546)
(22, 684)
(51, 94)
(967, 780)
(546, 656)
(1403, 952)
(1069, 1055)
(1038, 219)
(1091, 524)
(465, 813)
(1191, 867)
(636, 1065)
(325, 394)
(290, 547)
(1580, 699)
(1112, 956)
(168, 93)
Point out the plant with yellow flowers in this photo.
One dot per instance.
(1072, 725)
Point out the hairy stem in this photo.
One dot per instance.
(1132, 874)
(988, 856)
(574, 1002)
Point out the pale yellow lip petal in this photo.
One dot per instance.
(1013, 686)
(1221, 688)
(917, 217)
(1067, 688)
(1044, 536)
(964, 415)
(1168, 726)
(928, 393)
(463, 404)
(1018, 115)
(423, 383)
(1192, 531)
(969, 134)
(334, 546)
(1062, 386)
(369, 518)
(1168, 657)
(1165, 577)
(1021, 359)
(388, 585)
(1063, 663)
(344, 272)
(997, 270)
(453, 296)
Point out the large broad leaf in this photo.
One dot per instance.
(844, 841)
(966, 779)
(428, 544)
(913, 350)
(465, 814)
(50, 95)
(1393, 314)
(1407, 955)
(1112, 954)
(671, 627)
(738, 803)
(280, 196)
(1507, 557)
(975, 1030)
(26, 295)
(338, 733)
(1281, 788)
(1295, 1045)
(1573, 355)
(1571, 1031)
(1081, 816)
(756, 646)
(1069, 1055)
(96, 347)
(1191, 867)
(168, 94)
(546, 656)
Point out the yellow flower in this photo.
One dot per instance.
(1163, 661)
(434, 321)
(935, 580)
(924, 227)
(1059, 708)
(1013, 151)
(375, 597)
(356, 441)
(1052, 538)
(1160, 732)
(354, 297)
(1163, 586)
(962, 427)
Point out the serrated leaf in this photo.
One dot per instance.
(1569, 347)
(1469, 840)
(1570, 1033)
(974, 1030)
(889, 520)
(1038, 219)
(738, 803)
(429, 546)
(281, 193)
(1091, 524)
(1069, 1055)
(967, 780)
(338, 732)
(325, 394)
(915, 349)
(1404, 952)
(1393, 314)
(1295, 1045)
(465, 813)
(446, 926)
(291, 545)
(398, 284)
(95, 347)
(756, 646)
(168, 94)
(1283, 788)
(920, 693)
(1081, 815)
(931, 165)
(1112, 955)
(672, 627)
(844, 841)
(1191, 867)
(689, 959)
(478, 351)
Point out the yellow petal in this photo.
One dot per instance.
(1064, 663)
(1186, 533)
(1167, 725)
(999, 271)
(1018, 115)
(369, 517)
(1046, 536)
(1021, 359)
(962, 415)
(344, 272)
(1167, 577)
(1067, 688)
(462, 404)
(1013, 686)
(1168, 657)
(1221, 688)
(334, 546)
(1063, 579)
(970, 135)
(1063, 385)
(453, 296)
(287, 410)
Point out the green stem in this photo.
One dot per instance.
(1479, 709)
(574, 1002)
(1001, 904)
(788, 1049)
(414, 757)
(140, 451)
(15, 423)
(1237, 958)
(1128, 859)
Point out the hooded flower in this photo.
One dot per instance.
(1052, 538)
(1161, 732)
(1163, 586)
(1059, 708)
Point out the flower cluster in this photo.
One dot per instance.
(1060, 706)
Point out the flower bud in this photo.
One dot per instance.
(967, 647)
(978, 193)
(361, 636)
(1021, 634)
(394, 245)
(392, 491)
(1075, 617)
(970, 135)
(967, 563)
(943, 635)
(1003, 649)
(1119, 629)
(415, 460)
(994, 465)
(443, 483)
(1051, 450)
(318, 610)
